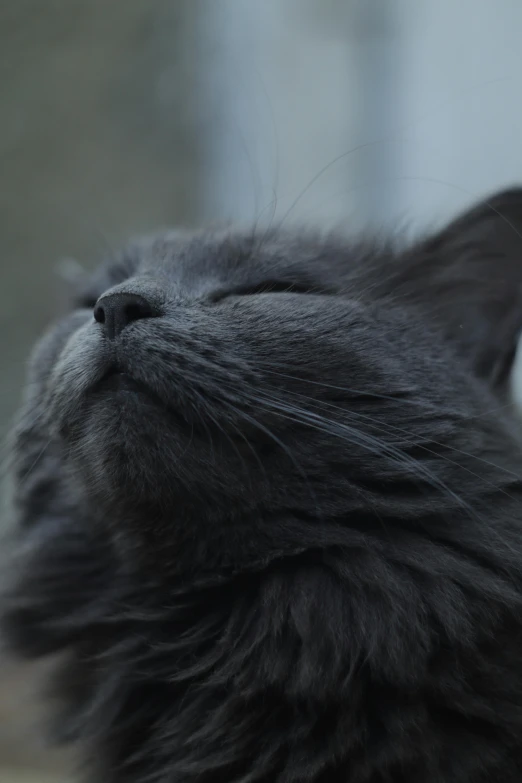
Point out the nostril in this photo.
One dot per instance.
(133, 311)
(99, 314)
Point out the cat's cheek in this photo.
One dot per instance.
(79, 366)
(46, 351)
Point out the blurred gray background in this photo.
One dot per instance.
(119, 118)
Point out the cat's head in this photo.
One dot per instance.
(244, 396)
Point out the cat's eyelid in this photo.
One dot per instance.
(86, 304)
(266, 287)
(90, 293)
(275, 287)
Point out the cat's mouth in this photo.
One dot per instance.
(117, 381)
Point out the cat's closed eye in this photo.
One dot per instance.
(271, 286)
(86, 302)
(102, 281)
(276, 287)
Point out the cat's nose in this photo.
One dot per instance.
(116, 311)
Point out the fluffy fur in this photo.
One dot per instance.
(275, 528)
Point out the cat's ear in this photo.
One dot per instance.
(472, 282)
(71, 273)
(72, 279)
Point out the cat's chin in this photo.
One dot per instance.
(128, 451)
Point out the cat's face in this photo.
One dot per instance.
(206, 380)
(198, 366)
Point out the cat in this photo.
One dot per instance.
(267, 509)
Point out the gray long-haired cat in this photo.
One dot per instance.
(268, 504)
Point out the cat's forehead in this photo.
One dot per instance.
(225, 257)
(198, 263)
(181, 257)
